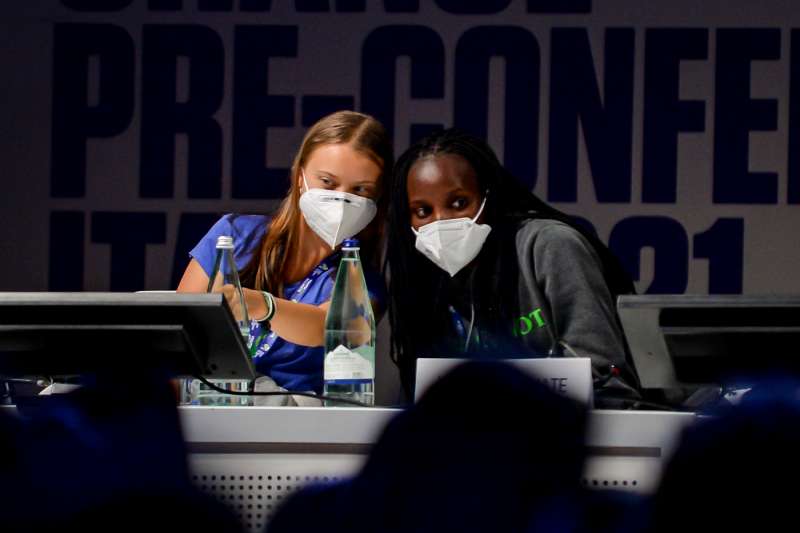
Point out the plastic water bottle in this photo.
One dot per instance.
(349, 370)
(225, 273)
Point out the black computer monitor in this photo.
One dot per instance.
(64, 334)
(689, 340)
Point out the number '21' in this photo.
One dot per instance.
(722, 244)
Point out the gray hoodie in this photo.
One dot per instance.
(563, 298)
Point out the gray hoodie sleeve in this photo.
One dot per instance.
(582, 312)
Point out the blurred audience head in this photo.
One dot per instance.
(732, 469)
(109, 455)
(485, 449)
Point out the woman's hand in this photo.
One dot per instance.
(295, 322)
(256, 307)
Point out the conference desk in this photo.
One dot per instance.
(252, 458)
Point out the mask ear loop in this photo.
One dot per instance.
(303, 175)
(480, 210)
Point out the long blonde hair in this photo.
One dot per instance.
(267, 268)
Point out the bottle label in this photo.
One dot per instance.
(344, 364)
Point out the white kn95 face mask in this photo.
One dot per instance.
(451, 244)
(335, 216)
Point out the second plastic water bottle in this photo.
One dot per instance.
(349, 368)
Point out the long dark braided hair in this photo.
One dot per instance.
(418, 289)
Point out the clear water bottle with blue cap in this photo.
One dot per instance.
(349, 367)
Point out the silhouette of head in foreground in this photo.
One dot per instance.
(485, 449)
(731, 470)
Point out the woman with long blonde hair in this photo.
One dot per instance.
(288, 262)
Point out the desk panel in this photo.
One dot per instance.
(252, 458)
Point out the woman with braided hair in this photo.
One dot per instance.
(480, 267)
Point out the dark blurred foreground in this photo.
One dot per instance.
(109, 455)
(486, 449)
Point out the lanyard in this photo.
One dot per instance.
(458, 324)
(319, 270)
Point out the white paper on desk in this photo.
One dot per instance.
(58, 388)
(570, 376)
(267, 384)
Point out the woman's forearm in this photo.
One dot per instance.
(302, 324)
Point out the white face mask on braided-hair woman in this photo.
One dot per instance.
(453, 243)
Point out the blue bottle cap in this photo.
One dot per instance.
(350, 243)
